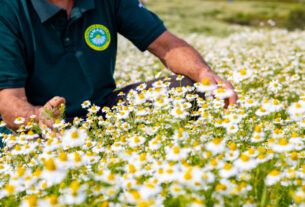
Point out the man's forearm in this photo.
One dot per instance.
(186, 60)
(13, 104)
(180, 57)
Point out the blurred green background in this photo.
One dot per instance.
(218, 17)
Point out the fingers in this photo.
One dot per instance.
(55, 102)
(233, 98)
(48, 123)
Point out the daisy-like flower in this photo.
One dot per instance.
(176, 153)
(231, 155)
(59, 123)
(232, 129)
(124, 114)
(283, 145)
(250, 103)
(275, 86)
(31, 135)
(205, 86)
(272, 105)
(149, 190)
(141, 87)
(94, 109)
(228, 171)
(223, 187)
(273, 177)
(179, 112)
(74, 137)
(191, 176)
(297, 111)
(74, 195)
(241, 75)
(223, 93)
(86, 104)
(52, 174)
(136, 141)
(19, 120)
(262, 111)
(162, 102)
(140, 98)
(154, 144)
(257, 137)
(245, 162)
(299, 196)
(216, 146)
(2, 124)
(175, 189)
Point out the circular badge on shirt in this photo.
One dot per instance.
(97, 37)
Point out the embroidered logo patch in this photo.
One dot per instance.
(97, 37)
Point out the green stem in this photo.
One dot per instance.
(264, 197)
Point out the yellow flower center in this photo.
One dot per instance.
(221, 90)
(50, 165)
(188, 174)
(227, 166)
(63, 157)
(53, 200)
(176, 150)
(243, 72)
(298, 106)
(206, 82)
(274, 173)
(179, 111)
(136, 195)
(132, 169)
(244, 158)
(294, 156)
(75, 185)
(74, 135)
(283, 142)
(216, 141)
(9, 188)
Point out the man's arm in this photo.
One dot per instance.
(13, 104)
(181, 58)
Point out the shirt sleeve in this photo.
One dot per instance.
(13, 72)
(138, 24)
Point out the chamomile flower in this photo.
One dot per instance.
(86, 104)
(94, 109)
(275, 86)
(245, 162)
(74, 137)
(205, 86)
(179, 113)
(216, 146)
(273, 177)
(223, 93)
(51, 173)
(19, 120)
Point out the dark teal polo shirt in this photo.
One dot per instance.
(49, 55)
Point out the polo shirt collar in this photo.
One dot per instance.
(46, 10)
(85, 5)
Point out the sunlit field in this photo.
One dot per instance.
(162, 147)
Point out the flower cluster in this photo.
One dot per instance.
(165, 146)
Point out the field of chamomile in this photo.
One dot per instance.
(169, 147)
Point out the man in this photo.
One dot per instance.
(67, 48)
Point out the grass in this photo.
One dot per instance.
(215, 17)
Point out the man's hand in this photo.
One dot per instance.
(216, 80)
(13, 104)
(54, 105)
(181, 58)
